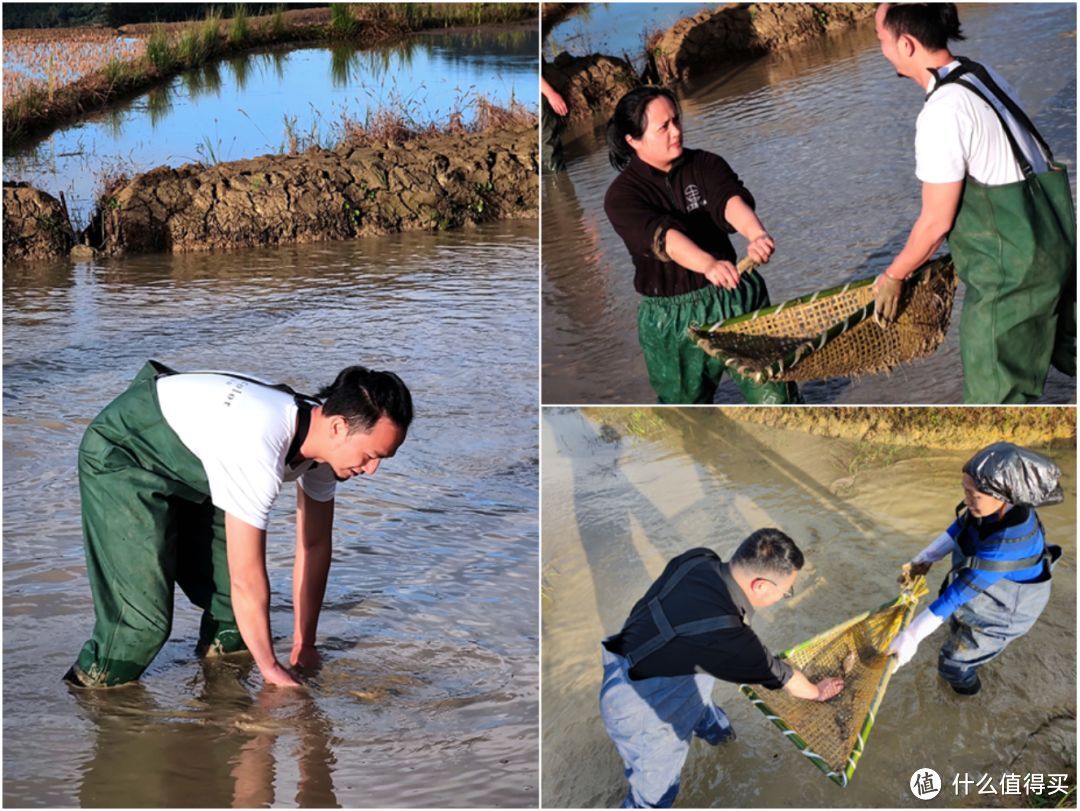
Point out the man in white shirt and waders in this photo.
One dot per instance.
(177, 477)
(991, 186)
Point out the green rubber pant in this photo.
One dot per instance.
(1015, 249)
(148, 525)
(679, 370)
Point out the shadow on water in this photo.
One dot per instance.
(627, 489)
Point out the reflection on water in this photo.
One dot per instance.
(617, 507)
(427, 694)
(824, 138)
(617, 29)
(240, 107)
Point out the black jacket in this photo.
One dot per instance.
(708, 590)
(643, 203)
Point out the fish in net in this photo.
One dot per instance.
(832, 734)
(831, 333)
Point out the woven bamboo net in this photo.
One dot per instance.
(831, 333)
(833, 733)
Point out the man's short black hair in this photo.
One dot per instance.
(768, 551)
(932, 24)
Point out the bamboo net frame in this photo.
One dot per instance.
(832, 734)
(831, 333)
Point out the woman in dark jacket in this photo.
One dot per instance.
(674, 209)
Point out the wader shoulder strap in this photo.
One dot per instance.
(667, 631)
(976, 563)
(304, 402)
(983, 75)
(977, 70)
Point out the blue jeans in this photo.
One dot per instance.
(651, 722)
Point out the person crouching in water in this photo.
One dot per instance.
(691, 628)
(999, 582)
(674, 209)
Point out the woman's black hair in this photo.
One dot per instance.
(932, 24)
(629, 119)
(363, 396)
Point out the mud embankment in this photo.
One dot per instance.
(433, 183)
(695, 46)
(36, 226)
(947, 428)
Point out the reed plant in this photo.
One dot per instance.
(211, 30)
(160, 50)
(277, 22)
(341, 19)
(239, 30)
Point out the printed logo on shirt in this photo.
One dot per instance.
(693, 197)
(234, 390)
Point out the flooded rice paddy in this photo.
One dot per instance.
(428, 692)
(824, 138)
(624, 494)
(276, 100)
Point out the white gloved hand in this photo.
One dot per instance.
(907, 641)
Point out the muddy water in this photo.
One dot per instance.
(250, 105)
(824, 138)
(428, 692)
(617, 507)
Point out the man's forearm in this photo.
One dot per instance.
(310, 573)
(251, 605)
(925, 238)
(800, 687)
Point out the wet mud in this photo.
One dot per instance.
(36, 225)
(698, 45)
(432, 184)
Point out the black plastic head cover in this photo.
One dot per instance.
(1015, 475)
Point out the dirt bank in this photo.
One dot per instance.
(430, 183)
(695, 46)
(591, 86)
(36, 226)
(949, 428)
(945, 428)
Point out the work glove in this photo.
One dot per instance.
(886, 299)
(905, 644)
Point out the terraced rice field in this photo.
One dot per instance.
(45, 60)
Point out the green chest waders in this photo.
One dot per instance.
(1014, 247)
(148, 525)
(680, 371)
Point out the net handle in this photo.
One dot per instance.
(746, 264)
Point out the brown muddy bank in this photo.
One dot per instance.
(36, 226)
(693, 47)
(430, 183)
(945, 428)
(698, 45)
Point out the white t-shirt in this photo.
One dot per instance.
(241, 432)
(958, 135)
